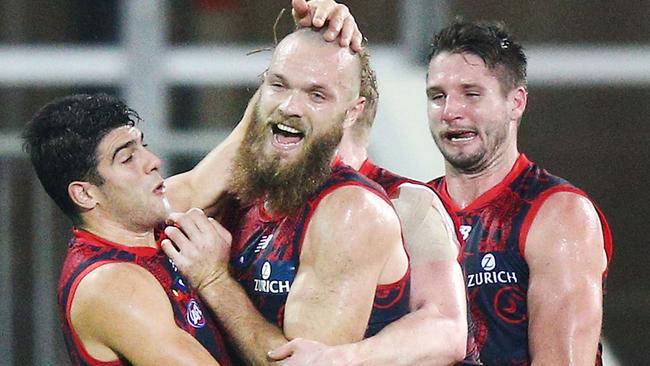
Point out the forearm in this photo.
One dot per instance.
(251, 334)
(424, 337)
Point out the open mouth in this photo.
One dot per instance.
(286, 135)
(160, 188)
(460, 135)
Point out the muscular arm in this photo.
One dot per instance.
(436, 329)
(202, 186)
(121, 310)
(564, 250)
(352, 244)
(349, 262)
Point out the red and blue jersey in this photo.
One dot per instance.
(391, 182)
(87, 252)
(265, 255)
(493, 232)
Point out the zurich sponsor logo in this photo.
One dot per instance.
(195, 315)
(488, 262)
(266, 284)
(491, 276)
(266, 270)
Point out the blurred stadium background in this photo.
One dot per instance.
(182, 64)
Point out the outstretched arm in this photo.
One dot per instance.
(565, 253)
(340, 23)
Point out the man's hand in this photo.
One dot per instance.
(341, 24)
(198, 245)
(303, 352)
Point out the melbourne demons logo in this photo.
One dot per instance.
(510, 305)
(195, 315)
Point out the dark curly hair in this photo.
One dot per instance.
(62, 139)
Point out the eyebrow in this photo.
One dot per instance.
(311, 86)
(126, 145)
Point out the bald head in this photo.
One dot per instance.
(306, 50)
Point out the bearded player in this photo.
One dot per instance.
(318, 248)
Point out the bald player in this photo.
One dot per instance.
(317, 252)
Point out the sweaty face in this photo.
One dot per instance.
(286, 185)
(468, 111)
(133, 193)
(305, 100)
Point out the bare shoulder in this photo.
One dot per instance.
(114, 297)
(566, 228)
(357, 208)
(418, 197)
(427, 227)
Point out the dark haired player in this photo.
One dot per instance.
(535, 248)
(122, 301)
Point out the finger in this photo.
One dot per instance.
(171, 251)
(188, 222)
(223, 233)
(346, 33)
(281, 352)
(336, 21)
(178, 237)
(199, 219)
(322, 11)
(357, 40)
(300, 8)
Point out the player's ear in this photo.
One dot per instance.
(83, 194)
(518, 98)
(354, 113)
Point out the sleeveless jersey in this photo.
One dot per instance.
(391, 182)
(265, 255)
(493, 230)
(87, 252)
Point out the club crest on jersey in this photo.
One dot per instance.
(274, 286)
(195, 315)
(490, 275)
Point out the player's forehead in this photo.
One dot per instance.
(458, 69)
(306, 56)
(116, 139)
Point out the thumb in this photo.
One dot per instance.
(300, 8)
(280, 353)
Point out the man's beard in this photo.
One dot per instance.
(476, 161)
(286, 187)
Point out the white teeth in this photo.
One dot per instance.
(461, 138)
(286, 128)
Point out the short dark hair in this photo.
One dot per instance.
(490, 41)
(62, 140)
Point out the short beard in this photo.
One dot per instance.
(285, 188)
(476, 161)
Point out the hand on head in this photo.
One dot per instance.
(340, 23)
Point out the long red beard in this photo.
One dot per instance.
(287, 187)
